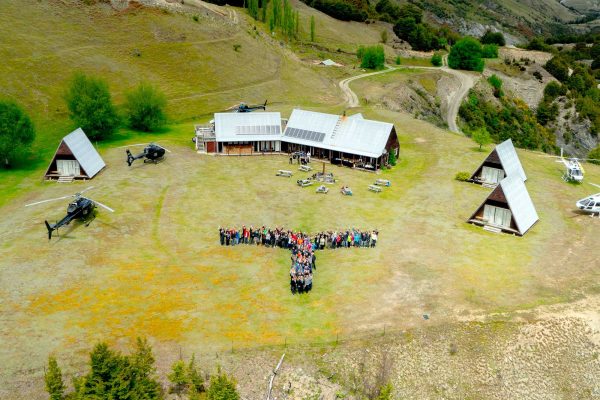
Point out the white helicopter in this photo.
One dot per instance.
(575, 171)
(590, 204)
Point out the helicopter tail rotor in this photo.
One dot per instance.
(130, 158)
(50, 228)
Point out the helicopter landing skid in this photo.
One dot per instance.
(146, 161)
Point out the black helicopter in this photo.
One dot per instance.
(243, 107)
(81, 208)
(151, 153)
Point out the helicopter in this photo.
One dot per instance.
(82, 208)
(243, 107)
(575, 171)
(151, 153)
(590, 204)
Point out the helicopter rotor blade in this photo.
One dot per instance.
(103, 206)
(46, 201)
(132, 145)
(85, 190)
(167, 150)
(593, 184)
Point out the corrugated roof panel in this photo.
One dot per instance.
(520, 203)
(250, 126)
(510, 160)
(354, 134)
(84, 152)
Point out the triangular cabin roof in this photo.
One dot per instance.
(79, 146)
(505, 155)
(512, 191)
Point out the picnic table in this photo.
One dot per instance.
(284, 173)
(383, 182)
(322, 189)
(375, 188)
(304, 182)
(305, 168)
(346, 191)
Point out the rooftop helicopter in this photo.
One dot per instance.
(152, 153)
(243, 107)
(82, 208)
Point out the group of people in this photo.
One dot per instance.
(301, 245)
(302, 157)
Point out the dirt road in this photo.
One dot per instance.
(455, 98)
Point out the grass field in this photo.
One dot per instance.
(155, 268)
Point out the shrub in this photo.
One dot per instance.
(146, 108)
(384, 36)
(462, 176)
(237, 47)
(436, 60)
(594, 156)
(489, 51)
(546, 112)
(90, 106)
(490, 37)
(54, 383)
(553, 90)
(466, 54)
(16, 132)
(537, 75)
(558, 68)
(496, 84)
(398, 61)
(372, 57)
(392, 158)
(196, 18)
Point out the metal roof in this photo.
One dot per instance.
(247, 127)
(510, 160)
(354, 135)
(84, 152)
(520, 203)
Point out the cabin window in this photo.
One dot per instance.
(492, 175)
(497, 215)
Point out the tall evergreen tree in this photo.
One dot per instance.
(16, 132)
(54, 383)
(312, 28)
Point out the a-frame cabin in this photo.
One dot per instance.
(508, 208)
(502, 162)
(75, 158)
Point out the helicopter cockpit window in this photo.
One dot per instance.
(576, 172)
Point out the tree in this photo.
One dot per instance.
(392, 158)
(178, 378)
(489, 51)
(411, 11)
(54, 383)
(384, 36)
(90, 106)
(16, 131)
(436, 60)
(386, 392)
(404, 26)
(490, 37)
(312, 28)
(558, 68)
(372, 57)
(145, 107)
(553, 90)
(481, 137)
(222, 388)
(466, 54)
(594, 155)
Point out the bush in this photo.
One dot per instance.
(553, 90)
(146, 108)
(398, 61)
(462, 176)
(558, 68)
(490, 37)
(594, 155)
(436, 60)
(372, 57)
(546, 112)
(497, 85)
(16, 132)
(90, 106)
(392, 158)
(196, 18)
(489, 51)
(466, 54)
(340, 10)
(53, 378)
